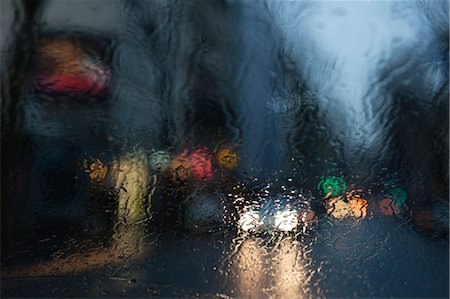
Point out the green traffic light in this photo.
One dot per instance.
(399, 196)
(332, 185)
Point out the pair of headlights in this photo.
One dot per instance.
(265, 215)
(256, 221)
(287, 212)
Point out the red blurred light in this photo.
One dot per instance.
(196, 164)
(200, 162)
(63, 67)
(66, 83)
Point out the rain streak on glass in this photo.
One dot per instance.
(224, 149)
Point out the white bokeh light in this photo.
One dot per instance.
(249, 220)
(286, 221)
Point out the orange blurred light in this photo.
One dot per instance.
(350, 206)
(358, 206)
(61, 56)
(337, 207)
(180, 166)
(97, 170)
(226, 157)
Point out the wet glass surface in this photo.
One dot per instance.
(224, 149)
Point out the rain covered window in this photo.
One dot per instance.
(224, 149)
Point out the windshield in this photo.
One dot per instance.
(248, 149)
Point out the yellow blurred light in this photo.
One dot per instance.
(226, 157)
(132, 178)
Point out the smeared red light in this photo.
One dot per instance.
(200, 161)
(63, 67)
(388, 207)
(82, 83)
(196, 164)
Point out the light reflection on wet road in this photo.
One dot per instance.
(379, 257)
